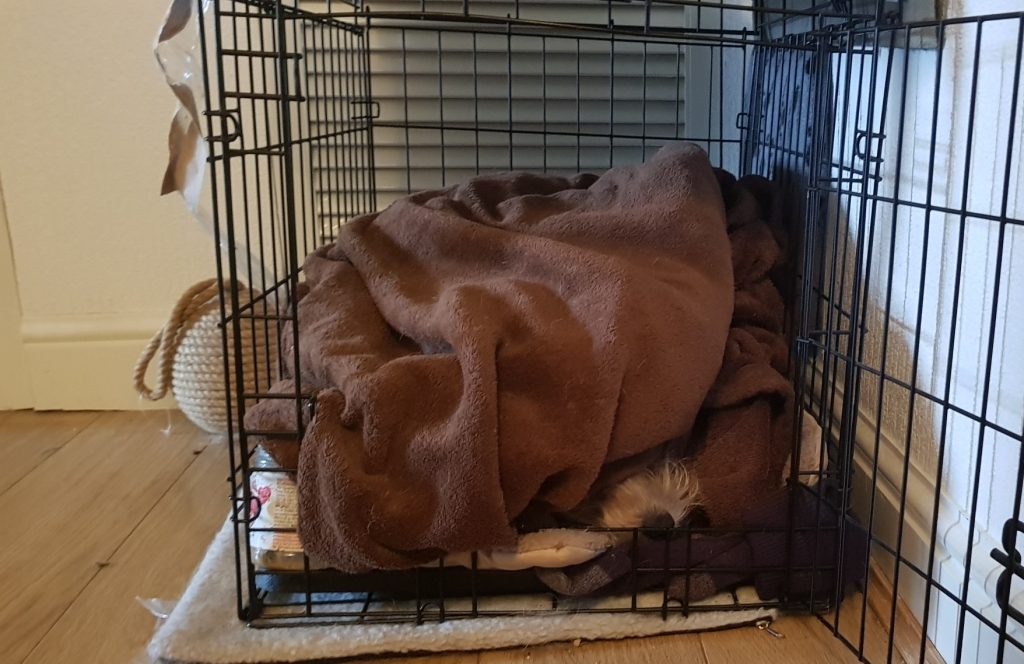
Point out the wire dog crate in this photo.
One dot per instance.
(897, 140)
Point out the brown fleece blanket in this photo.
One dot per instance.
(744, 433)
(738, 450)
(494, 344)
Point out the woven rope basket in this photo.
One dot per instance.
(190, 359)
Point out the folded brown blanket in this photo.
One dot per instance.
(495, 343)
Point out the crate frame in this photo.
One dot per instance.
(792, 114)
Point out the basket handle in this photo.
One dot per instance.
(164, 344)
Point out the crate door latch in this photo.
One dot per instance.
(867, 145)
(1009, 558)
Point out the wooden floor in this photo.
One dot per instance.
(97, 510)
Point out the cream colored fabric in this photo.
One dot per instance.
(810, 452)
(203, 628)
(545, 548)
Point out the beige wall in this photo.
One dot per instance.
(100, 257)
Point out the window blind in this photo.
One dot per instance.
(527, 96)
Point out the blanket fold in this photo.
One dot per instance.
(492, 345)
(786, 543)
(744, 432)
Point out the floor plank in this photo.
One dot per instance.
(123, 510)
(852, 614)
(907, 629)
(106, 623)
(70, 514)
(27, 438)
(804, 641)
(445, 658)
(674, 649)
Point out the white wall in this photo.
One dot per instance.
(100, 256)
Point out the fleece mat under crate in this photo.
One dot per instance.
(203, 628)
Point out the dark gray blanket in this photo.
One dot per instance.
(798, 563)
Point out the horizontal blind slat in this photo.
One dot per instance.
(559, 85)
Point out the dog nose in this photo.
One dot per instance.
(661, 520)
(697, 518)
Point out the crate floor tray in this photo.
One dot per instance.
(204, 629)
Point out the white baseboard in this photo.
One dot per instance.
(15, 381)
(951, 533)
(85, 362)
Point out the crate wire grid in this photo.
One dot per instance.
(324, 111)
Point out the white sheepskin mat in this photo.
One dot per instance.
(203, 627)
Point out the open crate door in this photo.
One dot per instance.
(913, 323)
